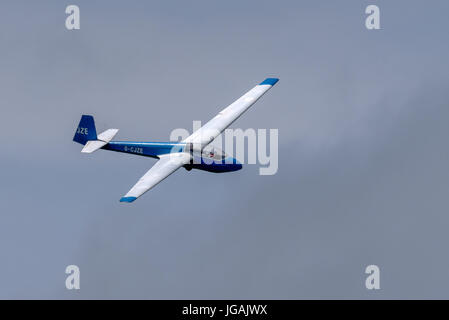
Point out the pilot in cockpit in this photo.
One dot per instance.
(213, 153)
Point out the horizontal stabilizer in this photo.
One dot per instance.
(107, 135)
(93, 145)
(103, 139)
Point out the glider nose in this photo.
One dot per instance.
(237, 165)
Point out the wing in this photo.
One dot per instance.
(212, 129)
(167, 164)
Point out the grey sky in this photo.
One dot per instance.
(363, 128)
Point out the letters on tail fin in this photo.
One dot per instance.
(86, 130)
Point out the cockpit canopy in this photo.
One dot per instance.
(212, 152)
(209, 152)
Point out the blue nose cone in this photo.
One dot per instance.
(237, 165)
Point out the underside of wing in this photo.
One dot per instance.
(212, 129)
(167, 164)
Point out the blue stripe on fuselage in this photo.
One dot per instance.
(154, 149)
(148, 149)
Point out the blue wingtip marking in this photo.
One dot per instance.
(270, 81)
(127, 199)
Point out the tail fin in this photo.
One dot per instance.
(86, 130)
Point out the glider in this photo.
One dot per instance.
(191, 153)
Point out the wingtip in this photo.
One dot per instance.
(269, 81)
(127, 199)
